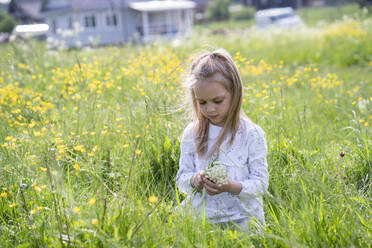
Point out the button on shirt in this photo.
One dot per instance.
(245, 161)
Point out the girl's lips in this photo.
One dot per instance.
(213, 116)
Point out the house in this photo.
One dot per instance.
(266, 4)
(26, 11)
(116, 21)
(4, 5)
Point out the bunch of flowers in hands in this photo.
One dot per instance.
(216, 172)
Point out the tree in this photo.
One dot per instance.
(218, 10)
(7, 23)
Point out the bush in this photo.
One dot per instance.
(218, 10)
(243, 14)
(7, 23)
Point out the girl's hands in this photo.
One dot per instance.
(197, 180)
(214, 189)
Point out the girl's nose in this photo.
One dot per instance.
(210, 108)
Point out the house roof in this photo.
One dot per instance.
(97, 4)
(161, 5)
(26, 9)
(140, 5)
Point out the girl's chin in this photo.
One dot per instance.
(217, 123)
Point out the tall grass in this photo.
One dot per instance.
(88, 136)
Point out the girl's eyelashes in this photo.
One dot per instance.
(215, 101)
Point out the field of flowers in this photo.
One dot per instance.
(89, 139)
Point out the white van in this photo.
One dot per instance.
(37, 31)
(283, 17)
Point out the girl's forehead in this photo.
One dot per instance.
(210, 90)
(215, 78)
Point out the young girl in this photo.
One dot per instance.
(221, 132)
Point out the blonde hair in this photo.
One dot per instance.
(203, 67)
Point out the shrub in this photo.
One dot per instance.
(218, 10)
(243, 14)
(7, 23)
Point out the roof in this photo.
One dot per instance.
(275, 11)
(97, 4)
(26, 10)
(161, 5)
(140, 5)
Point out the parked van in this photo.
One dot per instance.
(283, 17)
(37, 31)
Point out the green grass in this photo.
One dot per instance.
(106, 123)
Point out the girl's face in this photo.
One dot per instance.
(214, 99)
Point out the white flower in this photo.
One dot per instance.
(216, 172)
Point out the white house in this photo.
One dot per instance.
(116, 21)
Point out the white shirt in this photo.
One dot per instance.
(245, 161)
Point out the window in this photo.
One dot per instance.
(111, 20)
(70, 22)
(54, 26)
(90, 21)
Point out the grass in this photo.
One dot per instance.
(88, 136)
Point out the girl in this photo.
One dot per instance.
(221, 132)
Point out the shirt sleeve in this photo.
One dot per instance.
(257, 183)
(186, 165)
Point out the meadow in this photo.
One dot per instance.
(89, 139)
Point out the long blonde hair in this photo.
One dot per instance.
(203, 67)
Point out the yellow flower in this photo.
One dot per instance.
(43, 169)
(94, 221)
(33, 211)
(76, 210)
(138, 151)
(43, 186)
(76, 167)
(79, 148)
(4, 194)
(153, 199)
(12, 205)
(92, 201)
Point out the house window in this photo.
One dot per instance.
(70, 23)
(54, 26)
(111, 20)
(90, 21)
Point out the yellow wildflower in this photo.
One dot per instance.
(92, 201)
(94, 221)
(79, 148)
(76, 210)
(4, 194)
(153, 199)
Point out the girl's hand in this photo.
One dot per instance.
(197, 180)
(214, 189)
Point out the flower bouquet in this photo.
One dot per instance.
(217, 173)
